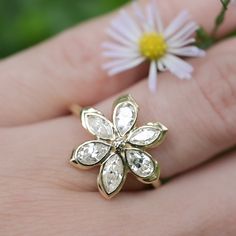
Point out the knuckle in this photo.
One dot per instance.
(80, 41)
(62, 51)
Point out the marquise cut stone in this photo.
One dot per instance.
(145, 135)
(112, 173)
(91, 153)
(99, 126)
(125, 117)
(140, 162)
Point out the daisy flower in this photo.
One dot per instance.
(142, 37)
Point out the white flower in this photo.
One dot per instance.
(142, 37)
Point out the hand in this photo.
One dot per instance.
(41, 194)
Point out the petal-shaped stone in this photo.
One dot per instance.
(145, 135)
(98, 125)
(139, 162)
(91, 153)
(124, 117)
(112, 173)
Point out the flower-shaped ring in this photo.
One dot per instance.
(119, 147)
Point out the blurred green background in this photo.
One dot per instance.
(26, 22)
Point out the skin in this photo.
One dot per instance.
(41, 194)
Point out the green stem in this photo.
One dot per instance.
(220, 18)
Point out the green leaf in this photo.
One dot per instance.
(204, 40)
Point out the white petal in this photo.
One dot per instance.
(112, 176)
(120, 55)
(177, 23)
(125, 115)
(157, 21)
(190, 51)
(181, 43)
(126, 65)
(152, 77)
(178, 67)
(119, 38)
(179, 63)
(119, 25)
(138, 11)
(90, 153)
(116, 63)
(118, 47)
(145, 26)
(150, 17)
(184, 33)
(134, 27)
(152, 21)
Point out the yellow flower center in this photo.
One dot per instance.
(152, 46)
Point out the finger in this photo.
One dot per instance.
(41, 82)
(200, 115)
(199, 203)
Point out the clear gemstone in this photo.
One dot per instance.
(144, 136)
(112, 173)
(125, 117)
(140, 162)
(99, 126)
(91, 153)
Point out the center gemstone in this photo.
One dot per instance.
(119, 143)
(152, 46)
